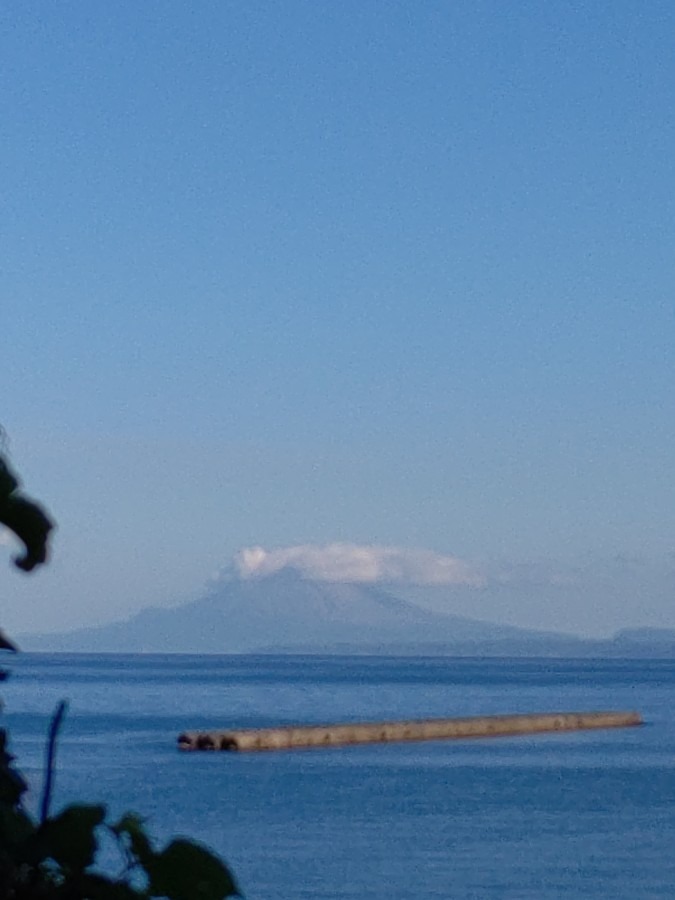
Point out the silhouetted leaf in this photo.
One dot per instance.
(131, 828)
(187, 871)
(7, 643)
(15, 827)
(99, 887)
(70, 837)
(12, 785)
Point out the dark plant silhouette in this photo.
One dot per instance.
(25, 518)
(54, 857)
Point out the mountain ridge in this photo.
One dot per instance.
(242, 615)
(288, 613)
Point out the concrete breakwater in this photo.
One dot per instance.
(339, 735)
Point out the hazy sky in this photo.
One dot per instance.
(377, 273)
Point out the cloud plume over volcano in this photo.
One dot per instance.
(358, 564)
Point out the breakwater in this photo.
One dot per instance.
(340, 735)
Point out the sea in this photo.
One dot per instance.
(584, 815)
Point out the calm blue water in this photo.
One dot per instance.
(578, 815)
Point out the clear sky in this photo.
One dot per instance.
(383, 273)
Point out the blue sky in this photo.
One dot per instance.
(383, 273)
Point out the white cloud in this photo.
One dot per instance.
(365, 564)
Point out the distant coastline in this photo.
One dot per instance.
(662, 646)
(287, 614)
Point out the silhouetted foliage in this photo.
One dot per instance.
(26, 518)
(55, 857)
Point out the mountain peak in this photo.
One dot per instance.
(284, 608)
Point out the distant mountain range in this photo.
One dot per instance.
(286, 613)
